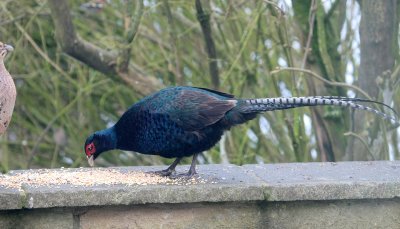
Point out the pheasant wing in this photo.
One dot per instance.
(195, 109)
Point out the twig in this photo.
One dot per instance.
(362, 141)
(332, 83)
(3, 23)
(43, 54)
(332, 9)
(204, 20)
(174, 43)
(135, 21)
(131, 27)
(321, 41)
(153, 38)
(394, 78)
(243, 41)
(187, 23)
(282, 12)
(32, 153)
(313, 8)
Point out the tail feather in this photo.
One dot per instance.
(357, 100)
(280, 103)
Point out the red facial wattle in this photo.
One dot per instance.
(90, 149)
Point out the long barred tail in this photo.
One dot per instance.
(281, 103)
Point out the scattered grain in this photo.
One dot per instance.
(89, 177)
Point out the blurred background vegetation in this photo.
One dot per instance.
(78, 66)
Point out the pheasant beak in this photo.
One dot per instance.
(90, 160)
(9, 48)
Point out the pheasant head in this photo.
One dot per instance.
(4, 50)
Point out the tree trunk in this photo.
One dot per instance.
(378, 34)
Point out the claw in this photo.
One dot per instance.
(165, 172)
(185, 176)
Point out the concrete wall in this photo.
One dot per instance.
(306, 195)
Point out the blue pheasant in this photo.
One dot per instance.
(177, 122)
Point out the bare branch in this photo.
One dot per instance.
(97, 58)
(131, 27)
(204, 20)
(311, 22)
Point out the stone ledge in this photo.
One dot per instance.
(329, 181)
(224, 183)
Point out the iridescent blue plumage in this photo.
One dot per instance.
(182, 121)
(175, 122)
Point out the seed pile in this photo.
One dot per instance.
(89, 177)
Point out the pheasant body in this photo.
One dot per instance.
(8, 92)
(158, 126)
(182, 121)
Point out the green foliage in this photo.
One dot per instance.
(61, 100)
